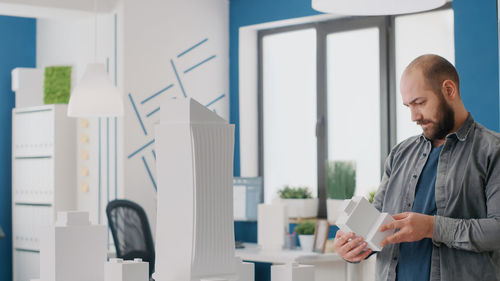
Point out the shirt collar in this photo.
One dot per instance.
(461, 133)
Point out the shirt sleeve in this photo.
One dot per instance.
(478, 234)
(378, 200)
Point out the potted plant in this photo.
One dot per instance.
(341, 183)
(299, 202)
(305, 230)
(371, 196)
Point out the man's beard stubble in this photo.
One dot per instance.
(446, 122)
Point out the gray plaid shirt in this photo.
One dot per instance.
(467, 225)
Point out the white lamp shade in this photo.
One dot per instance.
(95, 95)
(375, 7)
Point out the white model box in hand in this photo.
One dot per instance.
(128, 270)
(194, 149)
(292, 272)
(72, 249)
(360, 217)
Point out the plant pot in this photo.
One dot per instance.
(303, 208)
(334, 208)
(306, 242)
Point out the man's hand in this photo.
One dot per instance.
(412, 227)
(350, 247)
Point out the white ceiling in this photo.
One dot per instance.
(79, 5)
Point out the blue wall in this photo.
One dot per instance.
(18, 49)
(476, 58)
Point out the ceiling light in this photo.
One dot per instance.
(95, 95)
(375, 7)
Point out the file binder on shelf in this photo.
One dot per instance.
(43, 178)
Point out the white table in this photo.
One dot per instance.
(328, 267)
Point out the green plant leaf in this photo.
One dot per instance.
(305, 228)
(371, 196)
(341, 179)
(300, 192)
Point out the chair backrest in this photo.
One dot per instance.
(131, 232)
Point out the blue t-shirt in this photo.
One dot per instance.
(415, 257)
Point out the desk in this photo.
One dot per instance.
(328, 267)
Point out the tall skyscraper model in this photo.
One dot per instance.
(195, 229)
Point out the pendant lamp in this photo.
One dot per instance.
(375, 7)
(95, 95)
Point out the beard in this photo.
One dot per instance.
(444, 125)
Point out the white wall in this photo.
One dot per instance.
(149, 35)
(156, 33)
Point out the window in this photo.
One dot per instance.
(329, 91)
(353, 100)
(289, 110)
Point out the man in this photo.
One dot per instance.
(442, 187)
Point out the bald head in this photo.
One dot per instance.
(435, 70)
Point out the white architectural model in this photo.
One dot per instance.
(272, 225)
(195, 228)
(292, 272)
(72, 249)
(27, 83)
(360, 217)
(42, 173)
(129, 270)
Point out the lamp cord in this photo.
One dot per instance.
(95, 31)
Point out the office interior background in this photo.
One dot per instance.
(255, 63)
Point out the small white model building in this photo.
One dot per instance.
(292, 272)
(72, 249)
(360, 217)
(129, 270)
(27, 83)
(272, 224)
(194, 149)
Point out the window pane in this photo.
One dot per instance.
(289, 111)
(416, 35)
(353, 77)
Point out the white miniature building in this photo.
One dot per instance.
(27, 83)
(195, 227)
(360, 217)
(72, 249)
(272, 225)
(129, 270)
(292, 272)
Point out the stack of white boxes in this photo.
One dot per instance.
(195, 178)
(27, 83)
(292, 272)
(72, 249)
(273, 224)
(120, 270)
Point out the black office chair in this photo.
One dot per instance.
(131, 232)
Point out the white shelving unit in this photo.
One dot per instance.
(43, 179)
